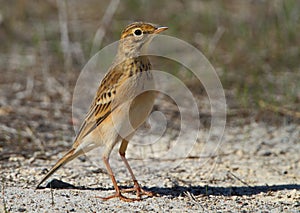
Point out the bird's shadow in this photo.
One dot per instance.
(177, 191)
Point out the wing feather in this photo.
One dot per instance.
(101, 107)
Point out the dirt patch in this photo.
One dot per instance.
(256, 168)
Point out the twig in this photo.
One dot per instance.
(52, 197)
(213, 42)
(76, 46)
(45, 60)
(51, 84)
(193, 199)
(3, 196)
(110, 11)
(239, 179)
(278, 109)
(63, 25)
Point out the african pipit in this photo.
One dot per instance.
(122, 103)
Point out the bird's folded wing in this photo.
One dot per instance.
(101, 107)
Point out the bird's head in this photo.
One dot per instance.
(136, 37)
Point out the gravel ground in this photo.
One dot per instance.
(256, 168)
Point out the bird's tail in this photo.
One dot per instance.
(70, 155)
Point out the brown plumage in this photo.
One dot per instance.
(121, 105)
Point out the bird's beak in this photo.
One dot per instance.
(160, 29)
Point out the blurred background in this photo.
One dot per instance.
(254, 46)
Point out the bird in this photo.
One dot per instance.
(122, 103)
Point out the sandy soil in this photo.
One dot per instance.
(256, 168)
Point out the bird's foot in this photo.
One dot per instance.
(120, 196)
(139, 191)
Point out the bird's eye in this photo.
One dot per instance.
(138, 32)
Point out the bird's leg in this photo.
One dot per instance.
(117, 188)
(137, 188)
